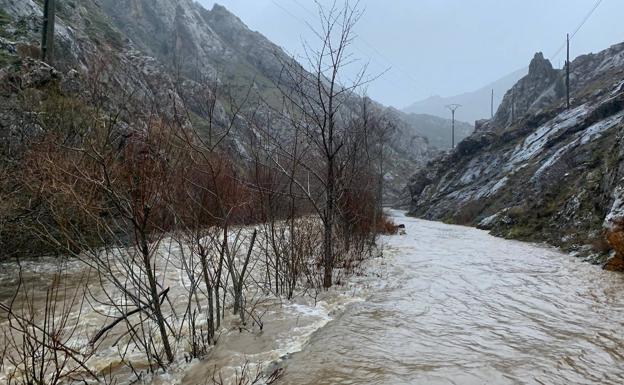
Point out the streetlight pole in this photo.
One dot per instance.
(453, 108)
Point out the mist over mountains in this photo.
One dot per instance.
(475, 104)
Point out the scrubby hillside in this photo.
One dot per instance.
(168, 50)
(130, 66)
(539, 171)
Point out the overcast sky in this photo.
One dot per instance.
(444, 47)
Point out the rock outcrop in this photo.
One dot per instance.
(540, 88)
(614, 231)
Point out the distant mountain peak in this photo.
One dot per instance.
(476, 105)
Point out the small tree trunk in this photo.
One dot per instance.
(218, 275)
(153, 287)
(211, 327)
(328, 257)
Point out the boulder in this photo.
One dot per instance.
(37, 74)
(483, 125)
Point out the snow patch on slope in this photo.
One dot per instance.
(536, 142)
(591, 133)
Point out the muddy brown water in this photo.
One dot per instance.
(446, 305)
(459, 306)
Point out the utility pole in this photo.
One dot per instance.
(492, 105)
(47, 36)
(513, 105)
(453, 108)
(568, 70)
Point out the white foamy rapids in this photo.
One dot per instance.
(288, 328)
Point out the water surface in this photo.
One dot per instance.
(458, 306)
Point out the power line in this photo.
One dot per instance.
(301, 20)
(589, 14)
(586, 18)
(371, 46)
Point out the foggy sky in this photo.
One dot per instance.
(443, 47)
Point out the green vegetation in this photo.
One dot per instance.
(5, 20)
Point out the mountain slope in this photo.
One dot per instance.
(438, 131)
(475, 105)
(165, 50)
(539, 171)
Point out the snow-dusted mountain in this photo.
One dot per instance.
(539, 171)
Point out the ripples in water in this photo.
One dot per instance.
(459, 306)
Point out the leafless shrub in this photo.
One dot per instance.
(247, 375)
(40, 341)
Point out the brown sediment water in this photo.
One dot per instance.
(446, 305)
(459, 306)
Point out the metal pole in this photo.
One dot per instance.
(453, 108)
(453, 139)
(47, 37)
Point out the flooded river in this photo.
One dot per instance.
(458, 306)
(445, 305)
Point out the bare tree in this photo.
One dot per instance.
(320, 98)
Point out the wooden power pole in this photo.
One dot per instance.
(513, 105)
(47, 36)
(568, 70)
(492, 105)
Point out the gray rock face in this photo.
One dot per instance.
(553, 175)
(483, 125)
(540, 88)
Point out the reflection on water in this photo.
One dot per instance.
(461, 307)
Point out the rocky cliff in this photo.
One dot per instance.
(539, 171)
(164, 50)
